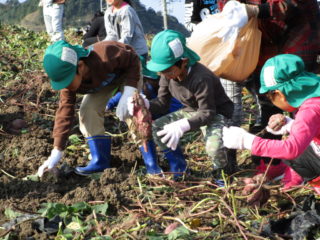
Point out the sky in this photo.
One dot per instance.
(176, 9)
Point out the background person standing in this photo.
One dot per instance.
(53, 15)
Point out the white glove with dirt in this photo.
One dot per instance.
(122, 109)
(130, 103)
(237, 138)
(279, 124)
(172, 132)
(52, 161)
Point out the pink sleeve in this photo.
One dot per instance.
(305, 127)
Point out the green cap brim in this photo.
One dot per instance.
(64, 83)
(158, 67)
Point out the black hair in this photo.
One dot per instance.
(128, 1)
(270, 94)
(178, 63)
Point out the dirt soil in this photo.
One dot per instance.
(22, 152)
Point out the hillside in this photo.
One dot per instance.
(77, 14)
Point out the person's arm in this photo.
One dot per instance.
(128, 24)
(93, 30)
(305, 127)
(279, 10)
(113, 102)
(160, 105)
(64, 118)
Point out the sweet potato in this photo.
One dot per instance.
(141, 121)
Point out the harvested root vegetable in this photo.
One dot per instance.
(141, 120)
(277, 121)
(51, 175)
(256, 195)
(18, 124)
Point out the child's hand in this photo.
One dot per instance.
(276, 121)
(279, 124)
(172, 132)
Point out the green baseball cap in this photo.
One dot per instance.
(286, 72)
(167, 48)
(60, 63)
(145, 72)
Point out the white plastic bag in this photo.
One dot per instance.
(227, 43)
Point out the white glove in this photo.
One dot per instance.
(237, 138)
(285, 129)
(52, 161)
(131, 105)
(235, 17)
(40, 3)
(173, 132)
(122, 109)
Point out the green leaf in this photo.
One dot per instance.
(101, 238)
(80, 207)
(74, 139)
(34, 178)
(101, 208)
(52, 209)
(179, 233)
(75, 226)
(11, 214)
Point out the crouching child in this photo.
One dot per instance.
(206, 106)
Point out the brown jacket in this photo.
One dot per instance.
(106, 58)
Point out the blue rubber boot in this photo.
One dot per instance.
(177, 162)
(100, 149)
(150, 158)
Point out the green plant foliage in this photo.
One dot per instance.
(11, 214)
(180, 233)
(75, 140)
(76, 219)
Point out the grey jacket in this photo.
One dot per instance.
(124, 26)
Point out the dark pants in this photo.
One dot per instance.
(89, 41)
(307, 165)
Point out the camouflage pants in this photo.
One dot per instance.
(212, 135)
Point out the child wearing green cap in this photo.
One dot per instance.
(206, 105)
(292, 89)
(72, 69)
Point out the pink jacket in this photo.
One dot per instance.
(306, 128)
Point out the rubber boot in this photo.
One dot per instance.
(100, 149)
(291, 179)
(150, 158)
(232, 165)
(177, 162)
